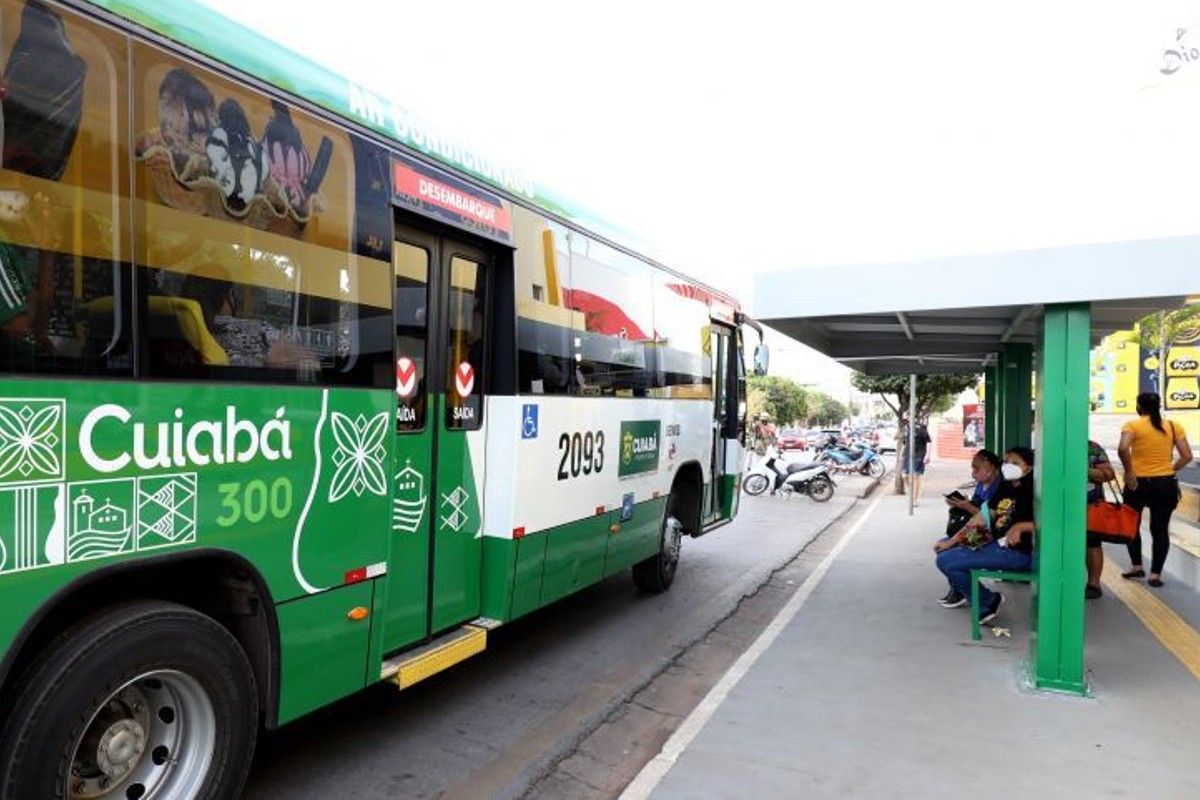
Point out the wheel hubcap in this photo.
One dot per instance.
(152, 738)
(120, 747)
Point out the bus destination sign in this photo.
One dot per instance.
(437, 194)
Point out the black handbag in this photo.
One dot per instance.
(958, 518)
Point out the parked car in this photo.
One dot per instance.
(820, 438)
(791, 439)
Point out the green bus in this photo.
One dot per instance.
(297, 395)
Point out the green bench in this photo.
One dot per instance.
(1019, 576)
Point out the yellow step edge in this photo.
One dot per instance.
(1171, 630)
(412, 668)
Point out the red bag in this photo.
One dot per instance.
(1113, 522)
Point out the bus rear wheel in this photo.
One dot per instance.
(146, 700)
(657, 573)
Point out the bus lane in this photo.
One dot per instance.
(502, 724)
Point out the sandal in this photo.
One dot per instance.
(1136, 572)
(1155, 582)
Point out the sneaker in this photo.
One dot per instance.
(953, 599)
(1092, 592)
(993, 608)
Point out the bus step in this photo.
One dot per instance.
(442, 653)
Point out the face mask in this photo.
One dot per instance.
(1011, 472)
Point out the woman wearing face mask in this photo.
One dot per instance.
(1006, 523)
(1146, 448)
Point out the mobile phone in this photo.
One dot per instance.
(955, 495)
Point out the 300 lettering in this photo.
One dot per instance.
(252, 501)
(582, 454)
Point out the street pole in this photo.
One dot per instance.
(912, 439)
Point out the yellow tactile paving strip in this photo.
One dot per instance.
(1180, 638)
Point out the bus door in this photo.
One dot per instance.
(435, 558)
(721, 492)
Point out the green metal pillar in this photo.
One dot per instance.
(991, 403)
(1060, 473)
(1017, 428)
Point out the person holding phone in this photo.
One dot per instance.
(985, 470)
(1005, 523)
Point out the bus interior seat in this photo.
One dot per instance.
(186, 312)
(175, 320)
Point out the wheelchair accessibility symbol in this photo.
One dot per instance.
(529, 422)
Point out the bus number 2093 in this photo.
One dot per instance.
(582, 454)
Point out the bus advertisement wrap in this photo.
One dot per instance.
(287, 410)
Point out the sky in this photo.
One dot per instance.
(756, 136)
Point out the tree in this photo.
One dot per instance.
(824, 410)
(785, 400)
(934, 393)
(756, 402)
(1173, 326)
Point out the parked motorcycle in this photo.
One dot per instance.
(776, 473)
(861, 459)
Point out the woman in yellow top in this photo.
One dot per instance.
(1146, 450)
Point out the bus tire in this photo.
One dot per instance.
(144, 699)
(657, 573)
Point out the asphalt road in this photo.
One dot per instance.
(497, 724)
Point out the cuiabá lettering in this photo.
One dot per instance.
(645, 444)
(167, 444)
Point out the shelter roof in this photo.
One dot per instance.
(955, 314)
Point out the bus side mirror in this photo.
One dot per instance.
(762, 355)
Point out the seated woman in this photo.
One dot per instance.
(985, 469)
(1002, 534)
(248, 342)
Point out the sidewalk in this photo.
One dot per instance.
(870, 689)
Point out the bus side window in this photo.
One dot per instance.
(64, 278)
(684, 363)
(613, 337)
(545, 362)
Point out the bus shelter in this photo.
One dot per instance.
(1027, 321)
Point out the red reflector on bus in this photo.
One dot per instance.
(356, 575)
(599, 510)
(519, 533)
